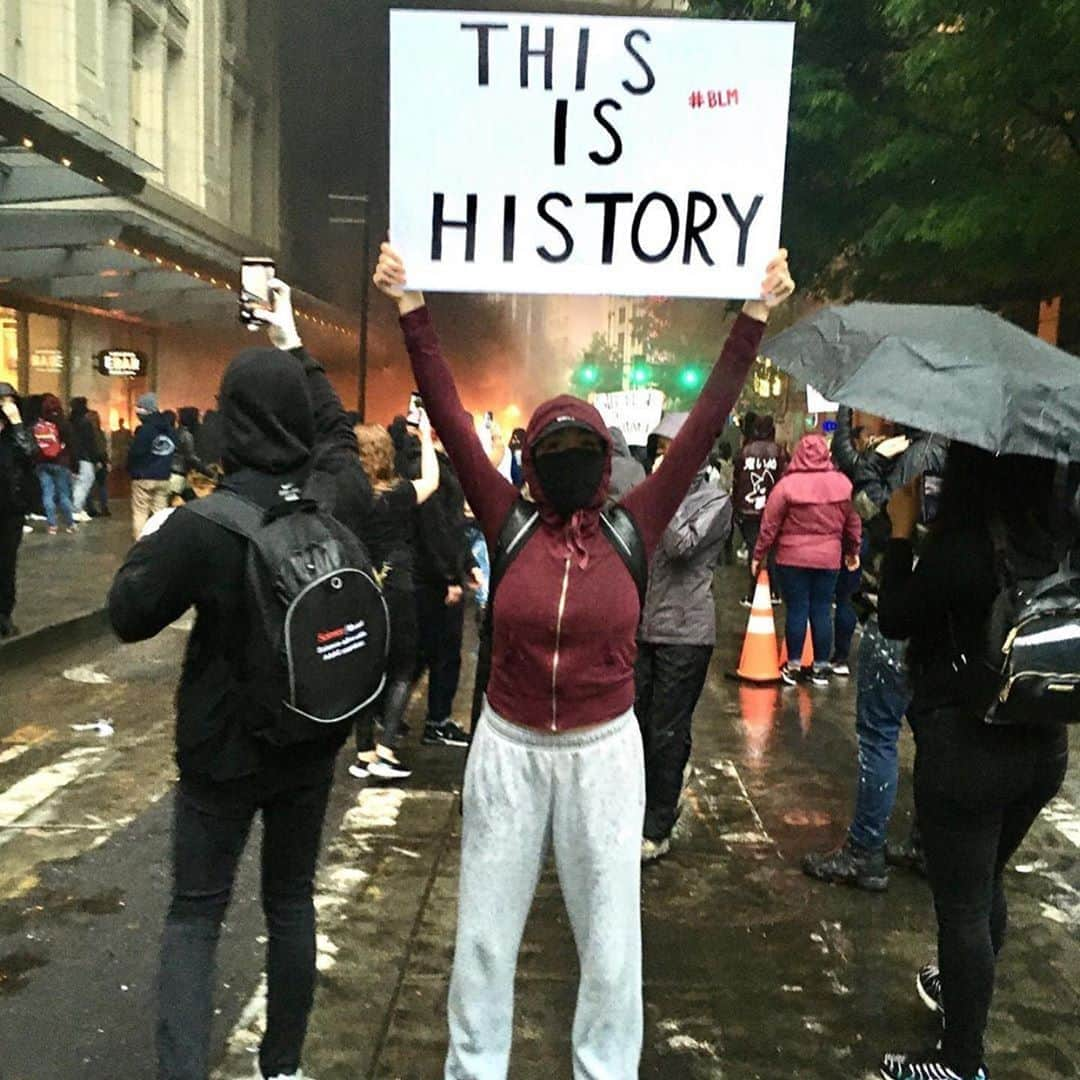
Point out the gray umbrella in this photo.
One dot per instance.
(958, 371)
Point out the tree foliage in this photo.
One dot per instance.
(934, 149)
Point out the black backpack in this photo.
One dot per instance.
(320, 633)
(522, 521)
(1033, 642)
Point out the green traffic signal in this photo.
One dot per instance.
(639, 375)
(690, 378)
(589, 375)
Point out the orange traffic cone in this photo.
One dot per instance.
(760, 663)
(807, 661)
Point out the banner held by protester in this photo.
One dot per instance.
(587, 154)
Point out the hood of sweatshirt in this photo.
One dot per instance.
(619, 446)
(269, 424)
(812, 477)
(584, 523)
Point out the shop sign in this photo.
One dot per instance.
(123, 362)
(51, 360)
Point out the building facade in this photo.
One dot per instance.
(139, 162)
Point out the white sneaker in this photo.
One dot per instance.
(27, 530)
(843, 671)
(651, 850)
(359, 770)
(288, 1076)
(388, 769)
(82, 517)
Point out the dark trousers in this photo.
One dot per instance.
(211, 826)
(400, 667)
(440, 627)
(11, 534)
(847, 585)
(668, 680)
(808, 596)
(978, 790)
(882, 696)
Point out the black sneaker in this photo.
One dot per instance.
(907, 856)
(445, 734)
(791, 673)
(928, 983)
(7, 627)
(924, 1067)
(849, 865)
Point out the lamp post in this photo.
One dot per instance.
(354, 210)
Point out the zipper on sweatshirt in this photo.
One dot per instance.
(558, 639)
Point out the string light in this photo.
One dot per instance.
(159, 260)
(28, 142)
(66, 162)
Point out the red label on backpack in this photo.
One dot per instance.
(49, 444)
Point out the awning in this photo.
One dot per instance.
(81, 227)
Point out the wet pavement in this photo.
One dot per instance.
(751, 969)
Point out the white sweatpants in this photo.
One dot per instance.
(583, 794)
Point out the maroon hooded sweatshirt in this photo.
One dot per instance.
(809, 517)
(566, 613)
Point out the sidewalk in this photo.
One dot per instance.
(63, 580)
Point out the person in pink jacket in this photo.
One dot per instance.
(811, 523)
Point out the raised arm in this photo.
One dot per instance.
(428, 483)
(489, 494)
(653, 503)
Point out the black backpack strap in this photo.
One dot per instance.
(520, 524)
(625, 537)
(231, 511)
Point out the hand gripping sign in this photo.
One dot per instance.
(587, 154)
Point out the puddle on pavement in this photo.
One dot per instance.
(15, 914)
(16, 966)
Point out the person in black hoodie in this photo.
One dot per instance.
(283, 428)
(84, 456)
(978, 788)
(759, 465)
(17, 451)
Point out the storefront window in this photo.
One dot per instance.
(47, 358)
(9, 347)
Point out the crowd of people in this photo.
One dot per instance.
(591, 567)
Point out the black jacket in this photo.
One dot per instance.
(17, 452)
(875, 478)
(283, 426)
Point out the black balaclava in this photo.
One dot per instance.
(570, 478)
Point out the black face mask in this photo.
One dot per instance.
(570, 478)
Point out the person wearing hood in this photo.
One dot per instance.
(54, 439)
(557, 756)
(185, 460)
(84, 456)
(676, 641)
(149, 463)
(626, 472)
(284, 428)
(17, 452)
(879, 466)
(810, 522)
(758, 468)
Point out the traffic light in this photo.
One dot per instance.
(690, 379)
(588, 375)
(640, 375)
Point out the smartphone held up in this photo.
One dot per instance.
(256, 273)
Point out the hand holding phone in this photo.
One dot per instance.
(256, 274)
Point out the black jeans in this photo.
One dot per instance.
(750, 527)
(978, 790)
(441, 627)
(11, 534)
(400, 667)
(668, 681)
(211, 826)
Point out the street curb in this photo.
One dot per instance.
(41, 643)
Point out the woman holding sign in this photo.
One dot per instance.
(557, 757)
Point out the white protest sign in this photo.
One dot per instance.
(587, 154)
(636, 413)
(818, 403)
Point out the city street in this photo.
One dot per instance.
(752, 970)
